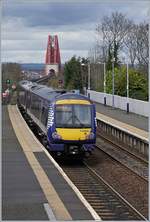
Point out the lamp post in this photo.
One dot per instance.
(127, 87)
(82, 64)
(127, 83)
(104, 84)
(89, 76)
(113, 82)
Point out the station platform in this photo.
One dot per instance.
(33, 185)
(129, 122)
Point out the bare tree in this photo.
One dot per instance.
(142, 44)
(136, 42)
(131, 44)
(114, 29)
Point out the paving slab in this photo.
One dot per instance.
(22, 197)
(133, 119)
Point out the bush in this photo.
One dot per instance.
(138, 85)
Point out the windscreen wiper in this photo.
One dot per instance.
(82, 124)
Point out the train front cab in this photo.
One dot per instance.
(72, 127)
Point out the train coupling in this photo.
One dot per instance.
(73, 150)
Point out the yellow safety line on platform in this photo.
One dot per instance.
(26, 141)
(123, 126)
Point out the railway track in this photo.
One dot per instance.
(127, 149)
(130, 160)
(108, 204)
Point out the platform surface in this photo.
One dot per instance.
(22, 197)
(32, 187)
(132, 119)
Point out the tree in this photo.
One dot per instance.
(115, 55)
(136, 43)
(114, 30)
(11, 71)
(56, 81)
(138, 85)
(142, 45)
(109, 60)
(72, 74)
(131, 44)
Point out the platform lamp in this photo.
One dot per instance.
(113, 82)
(89, 76)
(104, 84)
(127, 87)
(127, 83)
(82, 64)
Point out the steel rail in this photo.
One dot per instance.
(116, 193)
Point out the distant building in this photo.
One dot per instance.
(53, 61)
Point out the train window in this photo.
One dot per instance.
(82, 115)
(28, 100)
(35, 106)
(44, 116)
(64, 116)
(22, 97)
(73, 116)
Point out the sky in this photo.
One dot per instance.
(26, 25)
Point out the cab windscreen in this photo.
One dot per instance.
(73, 116)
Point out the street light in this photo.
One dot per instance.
(127, 84)
(89, 76)
(113, 82)
(82, 64)
(127, 87)
(104, 84)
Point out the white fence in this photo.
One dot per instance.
(135, 106)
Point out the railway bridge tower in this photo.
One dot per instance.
(52, 61)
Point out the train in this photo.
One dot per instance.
(65, 120)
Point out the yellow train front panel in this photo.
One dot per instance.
(72, 101)
(73, 134)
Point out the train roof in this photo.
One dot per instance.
(72, 96)
(26, 84)
(45, 92)
(52, 94)
(49, 93)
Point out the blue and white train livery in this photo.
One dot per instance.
(67, 119)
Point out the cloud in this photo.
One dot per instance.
(26, 25)
(32, 56)
(52, 14)
(23, 56)
(47, 13)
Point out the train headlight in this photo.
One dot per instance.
(55, 135)
(90, 136)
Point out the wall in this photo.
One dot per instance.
(136, 106)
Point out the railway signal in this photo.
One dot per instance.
(8, 81)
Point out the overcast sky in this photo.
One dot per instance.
(27, 23)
